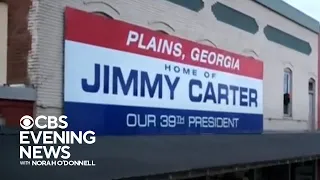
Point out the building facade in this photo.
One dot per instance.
(287, 48)
(284, 39)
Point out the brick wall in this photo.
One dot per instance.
(19, 45)
(19, 40)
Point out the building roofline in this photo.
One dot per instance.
(291, 13)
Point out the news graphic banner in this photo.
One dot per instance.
(50, 144)
(122, 79)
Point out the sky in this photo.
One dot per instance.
(309, 7)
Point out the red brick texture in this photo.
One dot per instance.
(19, 40)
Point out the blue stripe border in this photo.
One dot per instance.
(111, 120)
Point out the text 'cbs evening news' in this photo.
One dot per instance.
(49, 147)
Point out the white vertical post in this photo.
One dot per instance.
(289, 171)
(3, 42)
(316, 173)
(2, 122)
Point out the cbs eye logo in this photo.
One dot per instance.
(26, 122)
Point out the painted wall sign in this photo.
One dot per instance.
(122, 79)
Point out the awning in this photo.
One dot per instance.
(118, 157)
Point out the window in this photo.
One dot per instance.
(311, 85)
(287, 92)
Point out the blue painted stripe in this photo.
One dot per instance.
(111, 120)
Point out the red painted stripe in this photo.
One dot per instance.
(91, 29)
